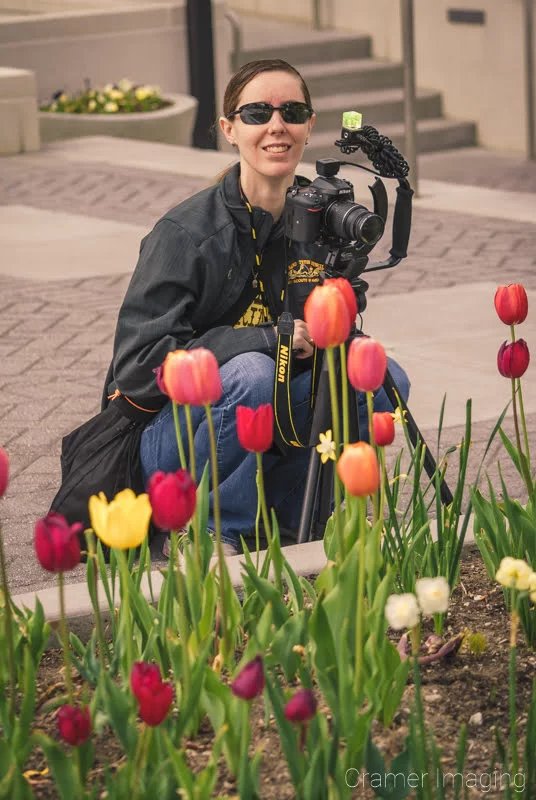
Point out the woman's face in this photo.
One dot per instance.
(274, 149)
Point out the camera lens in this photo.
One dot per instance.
(353, 222)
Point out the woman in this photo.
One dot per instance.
(214, 273)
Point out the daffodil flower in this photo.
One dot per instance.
(326, 448)
(124, 522)
(514, 573)
(397, 415)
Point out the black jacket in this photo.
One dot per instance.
(192, 269)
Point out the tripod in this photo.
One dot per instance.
(319, 481)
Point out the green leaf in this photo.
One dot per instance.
(61, 766)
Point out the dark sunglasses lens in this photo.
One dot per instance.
(295, 113)
(256, 114)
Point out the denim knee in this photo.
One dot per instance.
(248, 379)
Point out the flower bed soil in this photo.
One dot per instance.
(454, 691)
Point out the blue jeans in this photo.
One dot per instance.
(248, 380)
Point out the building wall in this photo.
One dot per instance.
(480, 69)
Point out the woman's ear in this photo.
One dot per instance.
(226, 127)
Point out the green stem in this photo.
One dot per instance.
(8, 623)
(125, 610)
(178, 434)
(217, 526)
(182, 600)
(193, 473)
(370, 410)
(65, 639)
(140, 757)
(522, 461)
(92, 551)
(514, 623)
(360, 610)
(415, 637)
(524, 424)
(345, 411)
(266, 517)
(336, 438)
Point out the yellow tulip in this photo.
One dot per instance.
(124, 522)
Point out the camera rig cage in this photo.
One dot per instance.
(388, 163)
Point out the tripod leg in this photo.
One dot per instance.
(309, 498)
(414, 434)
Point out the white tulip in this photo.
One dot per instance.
(402, 611)
(514, 573)
(433, 595)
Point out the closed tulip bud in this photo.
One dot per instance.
(143, 675)
(255, 427)
(154, 703)
(511, 303)
(384, 428)
(367, 364)
(345, 287)
(57, 545)
(172, 497)
(4, 471)
(327, 316)
(513, 358)
(154, 695)
(74, 724)
(192, 377)
(249, 682)
(358, 469)
(301, 707)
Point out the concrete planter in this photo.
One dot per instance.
(171, 125)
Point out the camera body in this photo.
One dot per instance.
(325, 212)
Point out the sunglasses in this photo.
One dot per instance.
(293, 112)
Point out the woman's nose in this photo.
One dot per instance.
(276, 122)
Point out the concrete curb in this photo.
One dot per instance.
(305, 559)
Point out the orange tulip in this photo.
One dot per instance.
(327, 316)
(345, 287)
(192, 377)
(367, 364)
(358, 469)
(511, 303)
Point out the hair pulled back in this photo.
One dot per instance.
(245, 74)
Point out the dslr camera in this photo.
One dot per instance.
(324, 211)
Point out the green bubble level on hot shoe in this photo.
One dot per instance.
(352, 120)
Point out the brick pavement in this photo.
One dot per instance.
(56, 337)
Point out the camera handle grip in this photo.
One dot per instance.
(401, 222)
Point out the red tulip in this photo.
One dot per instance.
(192, 377)
(345, 287)
(255, 427)
(56, 543)
(159, 379)
(358, 469)
(384, 428)
(327, 316)
(249, 682)
(74, 724)
(301, 707)
(513, 358)
(4, 471)
(511, 303)
(172, 497)
(367, 364)
(154, 695)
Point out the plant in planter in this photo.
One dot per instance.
(123, 97)
(124, 109)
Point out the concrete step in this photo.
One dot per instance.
(378, 107)
(298, 44)
(432, 135)
(351, 75)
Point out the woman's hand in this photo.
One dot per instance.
(302, 344)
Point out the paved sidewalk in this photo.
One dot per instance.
(72, 216)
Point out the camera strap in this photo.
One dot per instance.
(285, 428)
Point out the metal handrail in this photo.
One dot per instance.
(528, 17)
(410, 116)
(238, 38)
